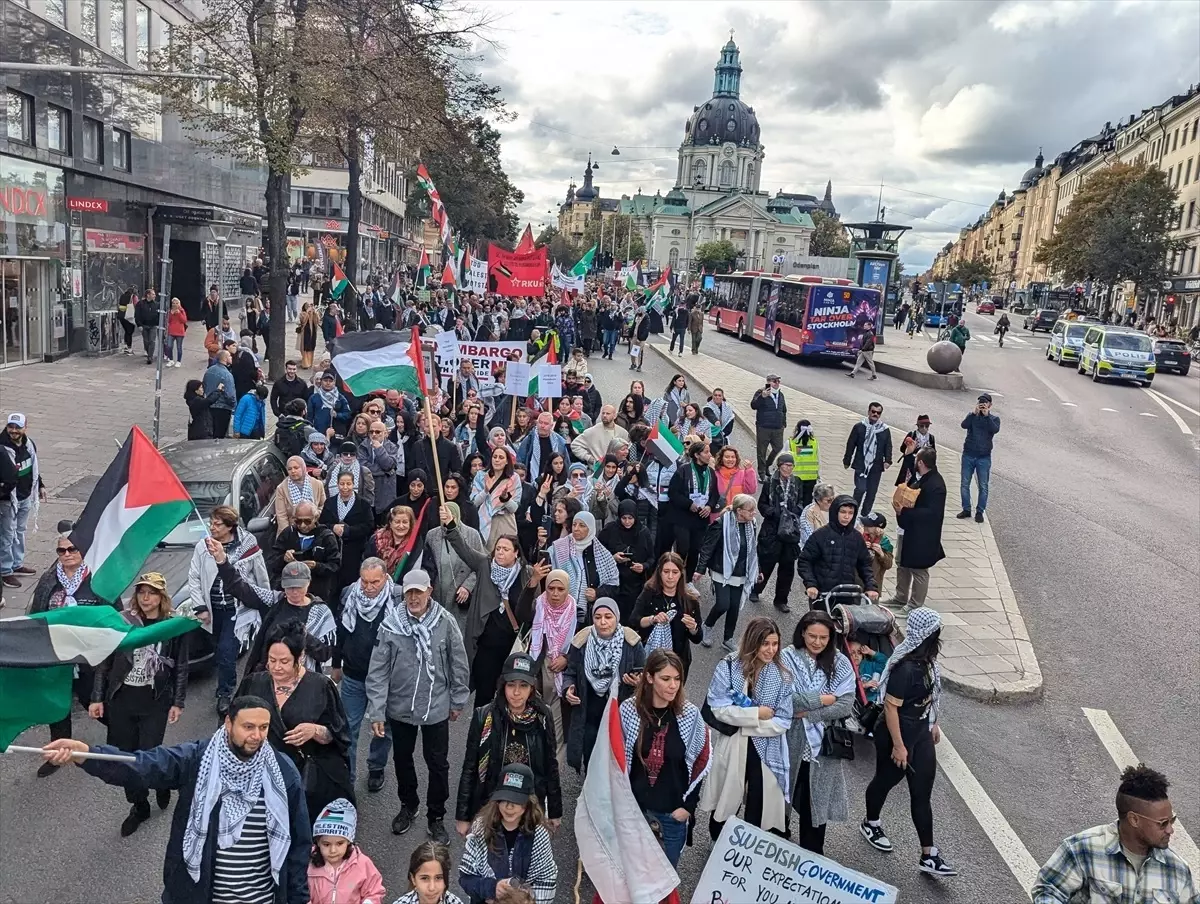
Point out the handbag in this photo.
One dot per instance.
(838, 742)
(789, 527)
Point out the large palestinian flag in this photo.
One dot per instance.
(136, 503)
(337, 283)
(664, 445)
(547, 357)
(423, 270)
(380, 359)
(38, 655)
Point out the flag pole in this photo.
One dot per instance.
(80, 754)
(433, 435)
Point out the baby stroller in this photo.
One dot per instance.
(858, 620)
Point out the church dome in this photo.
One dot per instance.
(724, 117)
(1034, 172)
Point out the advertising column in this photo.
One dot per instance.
(874, 272)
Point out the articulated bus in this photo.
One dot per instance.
(811, 316)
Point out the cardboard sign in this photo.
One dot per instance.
(748, 864)
(549, 381)
(516, 379)
(482, 355)
(476, 279)
(516, 275)
(447, 346)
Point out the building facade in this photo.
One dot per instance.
(92, 171)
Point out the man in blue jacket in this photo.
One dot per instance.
(981, 425)
(240, 833)
(219, 376)
(328, 410)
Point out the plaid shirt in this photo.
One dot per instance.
(1091, 867)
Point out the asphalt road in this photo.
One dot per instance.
(1097, 522)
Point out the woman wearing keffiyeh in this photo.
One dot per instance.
(298, 487)
(751, 695)
(591, 568)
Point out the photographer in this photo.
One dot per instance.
(981, 426)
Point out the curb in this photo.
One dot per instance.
(1028, 688)
(930, 380)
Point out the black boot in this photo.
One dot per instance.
(162, 798)
(138, 814)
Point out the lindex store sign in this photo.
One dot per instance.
(20, 201)
(87, 205)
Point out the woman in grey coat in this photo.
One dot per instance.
(378, 455)
(823, 686)
(456, 579)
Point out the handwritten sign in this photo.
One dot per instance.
(516, 379)
(750, 866)
(549, 377)
(447, 346)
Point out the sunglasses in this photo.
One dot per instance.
(1160, 823)
(66, 550)
(305, 520)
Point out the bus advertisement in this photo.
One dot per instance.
(809, 316)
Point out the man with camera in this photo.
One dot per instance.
(981, 426)
(770, 419)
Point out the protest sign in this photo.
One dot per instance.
(549, 377)
(516, 379)
(482, 355)
(748, 864)
(514, 275)
(561, 280)
(476, 278)
(447, 346)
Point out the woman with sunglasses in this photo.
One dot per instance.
(67, 583)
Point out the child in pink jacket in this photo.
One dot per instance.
(338, 871)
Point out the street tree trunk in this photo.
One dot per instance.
(354, 221)
(279, 188)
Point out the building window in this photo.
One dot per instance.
(699, 172)
(1195, 125)
(56, 12)
(20, 117)
(1175, 140)
(1192, 265)
(93, 140)
(58, 129)
(116, 28)
(120, 149)
(141, 17)
(726, 173)
(1187, 172)
(87, 21)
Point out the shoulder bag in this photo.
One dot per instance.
(837, 743)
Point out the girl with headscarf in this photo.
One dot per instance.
(592, 569)
(554, 620)
(457, 489)
(600, 656)
(633, 551)
(905, 739)
(351, 519)
(297, 487)
(750, 696)
(317, 459)
(496, 492)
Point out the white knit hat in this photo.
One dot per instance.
(339, 818)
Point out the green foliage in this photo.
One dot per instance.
(624, 245)
(829, 236)
(716, 257)
(971, 273)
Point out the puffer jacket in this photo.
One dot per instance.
(356, 880)
(582, 732)
(836, 555)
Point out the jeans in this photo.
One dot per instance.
(679, 337)
(354, 699)
(674, 834)
(12, 533)
(609, 339)
(435, 745)
(226, 648)
(770, 444)
(148, 341)
(175, 344)
(981, 467)
(293, 307)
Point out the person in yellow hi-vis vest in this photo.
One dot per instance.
(806, 452)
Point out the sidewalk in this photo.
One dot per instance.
(986, 652)
(903, 356)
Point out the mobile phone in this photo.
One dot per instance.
(544, 557)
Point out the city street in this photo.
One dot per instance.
(1096, 581)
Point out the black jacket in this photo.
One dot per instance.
(540, 742)
(360, 522)
(679, 495)
(284, 390)
(417, 454)
(145, 313)
(769, 414)
(592, 403)
(582, 732)
(638, 545)
(651, 602)
(200, 408)
(922, 524)
(853, 456)
(245, 372)
(171, 679)
(908, 463)
(836, 555)
(712, 548)
(17, 454)
(325, 553)
(352, 649)
(771, 504)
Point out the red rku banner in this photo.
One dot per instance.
(515, 275)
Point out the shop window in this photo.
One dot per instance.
(121, 150)
(93, 140)
(58, 129)
(20, 117)
(116, 28)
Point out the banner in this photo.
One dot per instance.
(516, 275)
(476, 279)
(483, 355)
(561, 280)
(748, 864)
(549, 378)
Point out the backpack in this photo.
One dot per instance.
(291, 435)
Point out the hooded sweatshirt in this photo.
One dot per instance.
(836, 554)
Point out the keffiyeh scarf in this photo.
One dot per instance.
(771, 689)
(871, 441)
(552, 631)
(566, 554)
(318, 623)
(344, 506)
(400, 621)
(236, 785)
(807, 677)
(693, 731)
(359, 604)
(488, 499)
(328, 397)
(70, 586)
(504, 578)
(921, 623)
(660, 635)
(602, 659)
(732, 534)
(338, 468)
(299, 492)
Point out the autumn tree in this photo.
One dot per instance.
(1117, 229)
(829, 236)
(717, 257)
(972, 272)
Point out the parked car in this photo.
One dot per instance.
(1117, 353)
(1041, 319)
(1172, 355)
(1066, 341)
(242, 473)
(985, 307)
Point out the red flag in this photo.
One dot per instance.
(448, 276)
(418, 360)
(526, 244)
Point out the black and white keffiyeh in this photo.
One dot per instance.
(602, 659)
(693, 731)
(919, 625)
(871, 441)
(338, 468)
(236, 785)
(69, 583)
(318, 624)
(771, 688)
(344, 506)
(299, 491)
(399, 620)
(504, 578)
(807, 677)
(358, 604)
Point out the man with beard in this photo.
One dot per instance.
(869, 452)
(241, 830)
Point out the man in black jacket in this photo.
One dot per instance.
(244, 365)
(921, 544)
(837, 553)
(418, 455)
(869, 452)
(315, 544)
(145, 315)
(290, 387)
(770, 420)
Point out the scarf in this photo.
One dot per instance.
(660, 635)
(724, 416)
(236, 785)
(583, 492)
(504, 578)
(535, 454)
(921, 623)
(344, 506)
(602, 659)
(318, 623)
(808, 678)
(770, 689)
(733, 536)
(299, 491)
(328, 397)
(400, 621)
(338, 468)
(395, 554)
(870, 442)
(358, 603)
(70, 585)
(693, 731)
(488, 499)
(922, 440)
(567, 554)
(552, 631)
(34, 495)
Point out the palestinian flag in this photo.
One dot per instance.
(549, 356)
(630, 281)
(448, 276)
(338, 283)
(423, 270)
(380, 359)
(526, 246)
(38, 655)
(658, 292)
(136, 503)
(585, 263)
(395, 294)
(664, 445)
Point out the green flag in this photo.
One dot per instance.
(585, 263)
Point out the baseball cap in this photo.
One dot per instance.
(17, 419)
(519, 667)
(328, 375)
(771, 377)
(516, 784)
(295, 574)
(874, 520)
(984, 397)
(417, 579)
(152, 579)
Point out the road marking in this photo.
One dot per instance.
(1122, 754)
(1019, 340)
(1010, 847)
(1179, 422)
(1059, 394)
(1167, 398)
(1113, 410)
(1146, 414)
(1032, 399)
(1070, 405)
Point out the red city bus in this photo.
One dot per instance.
(811, 316)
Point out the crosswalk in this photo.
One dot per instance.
(989, 338)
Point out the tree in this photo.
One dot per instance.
(829, 236)
(546, 235)
(1117, 229)
(264, 65)
(718, 256)
(972, 272)
(621, 239)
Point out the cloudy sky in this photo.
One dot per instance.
(945, 103)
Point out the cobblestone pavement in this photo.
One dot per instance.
(986, 652)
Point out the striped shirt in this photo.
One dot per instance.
(242, 872)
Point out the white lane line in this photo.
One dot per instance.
(1018, 340)
(1058, 393)
(1010, 847)
(1122, 754)
(1167, 398)
(1179, 422)
(1070, 405)
(1146, 414)
(1113, 410)
(1032, 399)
